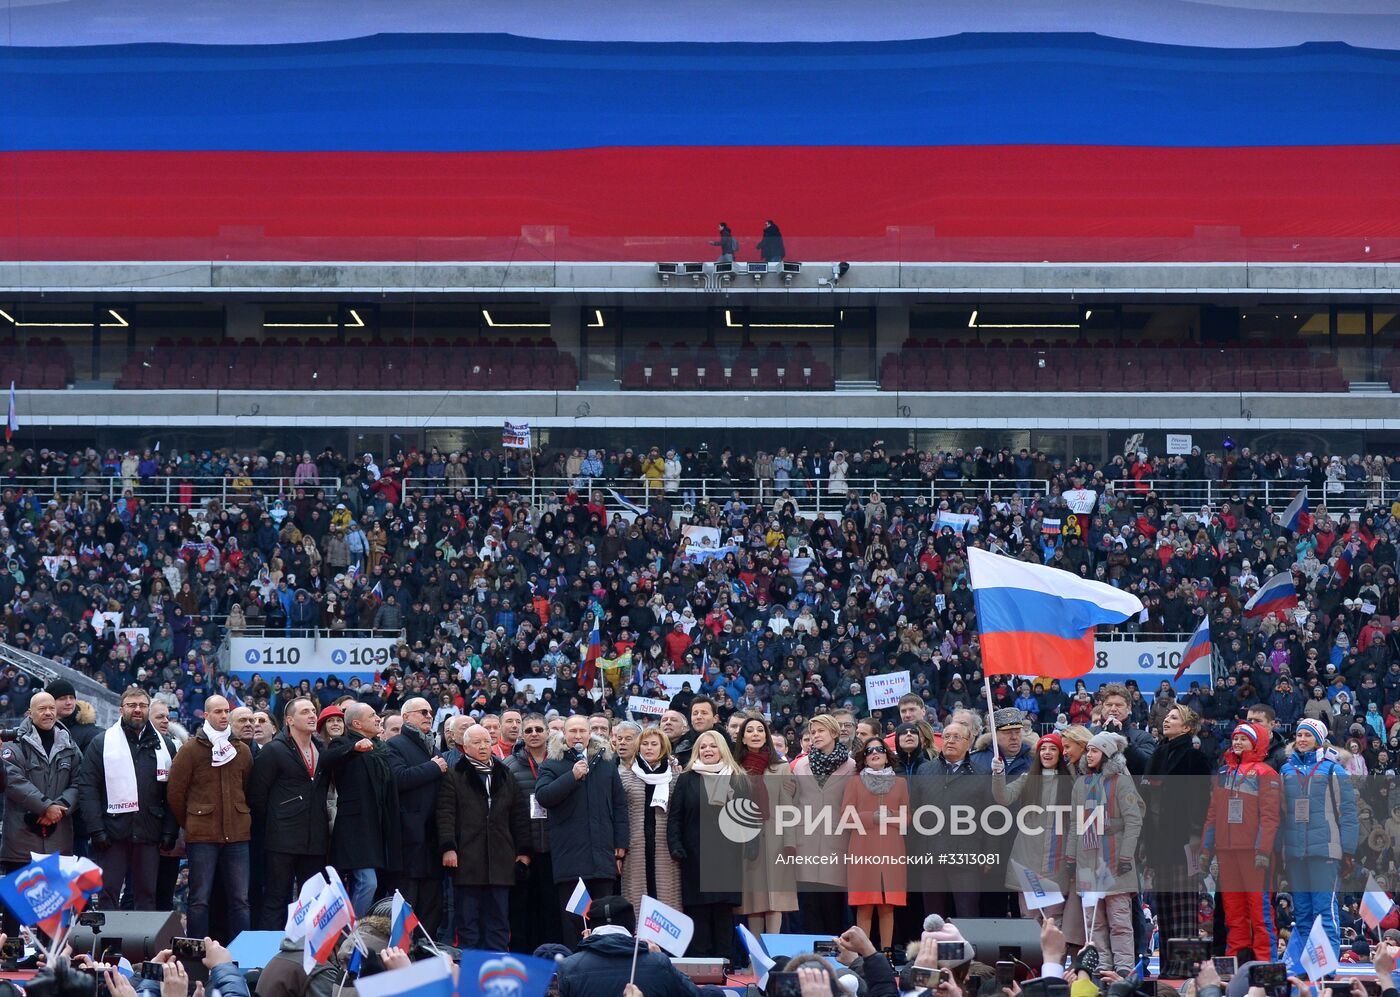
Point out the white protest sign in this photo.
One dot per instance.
(884, 690)
(533, 687)
(646, 706)
(1178, 443)
(1081, 500)
(672, 683)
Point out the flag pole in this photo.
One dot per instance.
(636, 947)
(991, 714)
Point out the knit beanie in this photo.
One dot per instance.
(1054, 739)
(1248, 731)
(1316, 728)
(947, 931)
(1110, 744)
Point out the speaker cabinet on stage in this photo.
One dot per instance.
(988, 934)
(143, 933)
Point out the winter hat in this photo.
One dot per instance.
(1248, 731)
(59, 688)
(328, 712)
(553, 951)
(612, 910)
(1316, 728)
(1110, 744)
(947, 931)
(1054, 739)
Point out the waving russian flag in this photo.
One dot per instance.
(1036, 620)
(1296, 517)
(1277, 595)
(579, 900)
(1376, 904)
(404, 923)
(1197, 647)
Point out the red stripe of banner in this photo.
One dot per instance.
(1037, 654)
(966, 203)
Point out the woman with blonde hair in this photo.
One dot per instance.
(711, 780)
(770, 885)
(822, 774)
(648, 771)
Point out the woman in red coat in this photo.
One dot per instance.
(1241, 825)
(879, 799)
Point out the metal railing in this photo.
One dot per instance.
(1273, 492)
(104, 701)
(809, 497)
(164, 490)
(617, 494)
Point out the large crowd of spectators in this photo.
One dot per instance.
(486, 588)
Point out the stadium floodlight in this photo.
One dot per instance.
(725, 271)
(666, 271)
(789, 269)
(757, 270)
(696, 271)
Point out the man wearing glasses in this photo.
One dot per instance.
(535, 892)
(418, 772)
(944, 782)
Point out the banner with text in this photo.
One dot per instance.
(296, 658)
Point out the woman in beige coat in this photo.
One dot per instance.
(648, 772)
(770, 886)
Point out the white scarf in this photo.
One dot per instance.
(661, 795)
(222, 751)
(717, 777)
(120, 770)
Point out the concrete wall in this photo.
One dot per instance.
(893, 410)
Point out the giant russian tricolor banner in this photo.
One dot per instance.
(1080, 130)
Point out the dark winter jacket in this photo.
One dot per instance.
(34, 780)
(290, 803)
(486, 830)
(603, 965)
(526, 769)
(588, 816)
(366, 832)
(697, 844)
(1176, 791)
(152, 819)
(418, 779)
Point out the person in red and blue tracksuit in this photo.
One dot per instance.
(1320, 827)
(1241, 826)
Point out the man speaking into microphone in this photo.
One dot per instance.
(582, 794)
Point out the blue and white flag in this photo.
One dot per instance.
(763, 963)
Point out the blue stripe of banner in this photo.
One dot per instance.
(1012, 610)
(502, 93)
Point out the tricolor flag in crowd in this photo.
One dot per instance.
(1277, 595)
(1037, 620)
(1342, 563)
(1295, 516)
(588, 671)
(1376, 904)
(579, 900)
(1197, 647)
(405, 922)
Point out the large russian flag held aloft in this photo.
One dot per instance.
(1036, 620)
(1277, 595)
